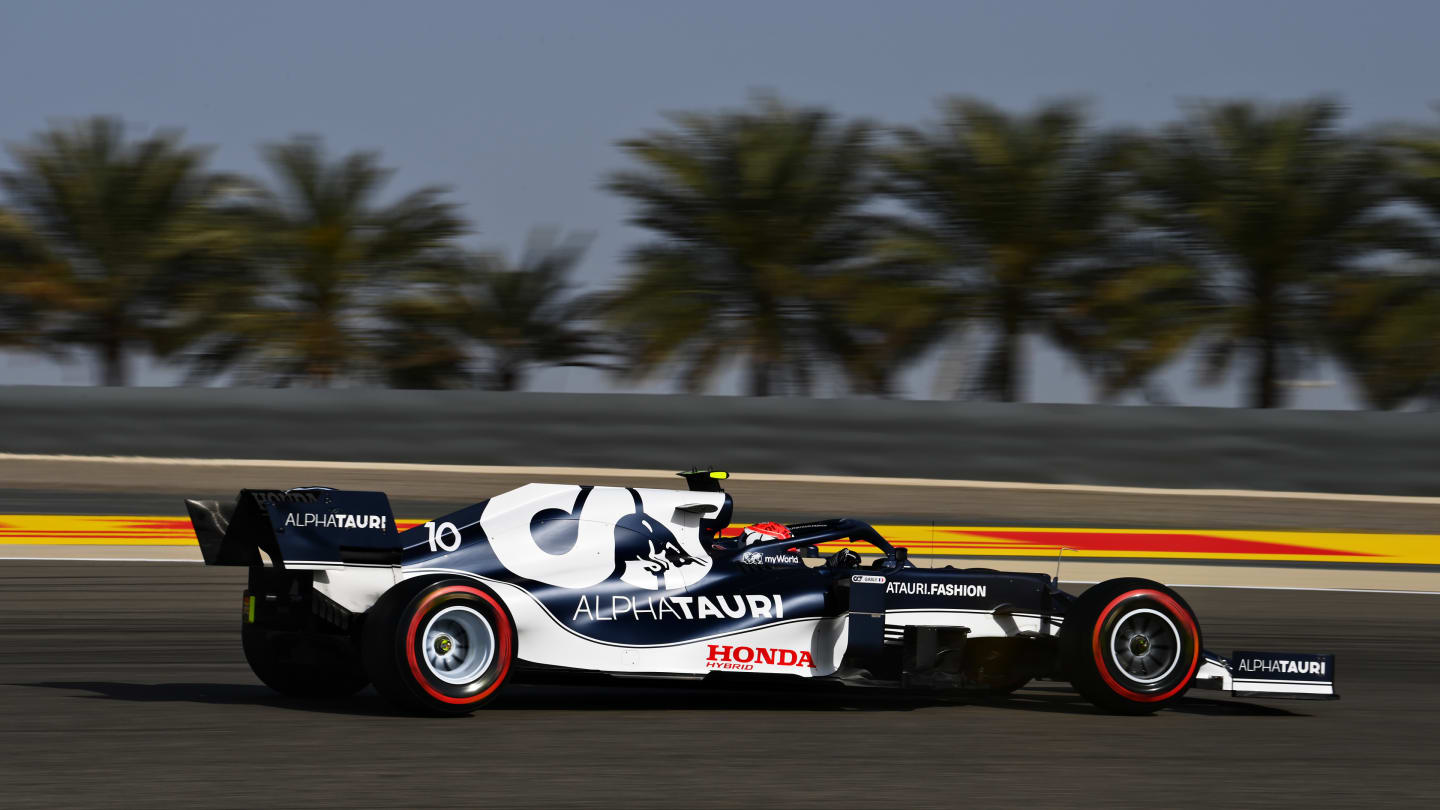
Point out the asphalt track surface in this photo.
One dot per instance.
(123, 685)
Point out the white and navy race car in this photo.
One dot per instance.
(649, 582)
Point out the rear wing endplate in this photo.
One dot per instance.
(306, 527)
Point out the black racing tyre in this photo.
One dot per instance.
(438, 646)
(303, 666)
(1130, 646)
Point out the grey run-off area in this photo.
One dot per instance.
(1320, 451)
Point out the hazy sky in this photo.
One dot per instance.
(517, 105)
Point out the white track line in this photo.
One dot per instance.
(605, 472)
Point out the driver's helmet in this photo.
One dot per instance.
(764, 533)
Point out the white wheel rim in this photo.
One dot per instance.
(459, 644)
(1162, 642)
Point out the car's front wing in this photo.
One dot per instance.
(1247, 673)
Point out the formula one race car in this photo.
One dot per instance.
(651, 582)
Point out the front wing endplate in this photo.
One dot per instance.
(1248, 673)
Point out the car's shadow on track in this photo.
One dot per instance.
(516, 697)
(609, 697)
(219, 694)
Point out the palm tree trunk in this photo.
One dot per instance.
(1264, 387)
(508, 378)
(1008, 377)
(112, 352)
(759, 378)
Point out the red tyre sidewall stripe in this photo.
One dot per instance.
(502, 631)
(1180, 613)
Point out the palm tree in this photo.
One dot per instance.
(115, 221)
(753, 210)
(420, 344)
(1385, 326)
(1126, 321)
(1383, 331)
(1271, 204)
(522, 315)
(1417, 169)
(324, 258)
(880, 318)
(1009, 210)
(24, 276)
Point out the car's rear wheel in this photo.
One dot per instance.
(300, 665)
(438, 646)
(1130, 646)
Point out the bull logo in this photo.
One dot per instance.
(579, 537)
(647, 555)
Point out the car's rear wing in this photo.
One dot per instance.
(306, 527)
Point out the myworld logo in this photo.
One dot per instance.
(756, 558)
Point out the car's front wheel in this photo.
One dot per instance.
(438, 646)
(1130, 646)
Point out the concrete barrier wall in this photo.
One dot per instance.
(1140, 446)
